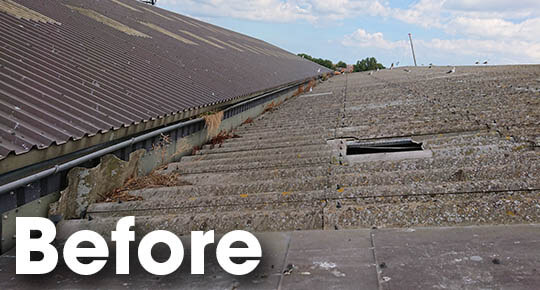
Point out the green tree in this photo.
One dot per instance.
(324, 62)
(341, 64)
(369, 63)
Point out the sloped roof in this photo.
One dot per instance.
(76, 68)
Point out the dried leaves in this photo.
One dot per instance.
(212, 123)
(149, 181)
(221, 137)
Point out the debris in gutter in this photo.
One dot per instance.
(149, 181)
(195, 150)
(272, 106)
(221, 137)
(248, 121)
(212, 122)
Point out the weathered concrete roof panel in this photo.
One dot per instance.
(289, 169)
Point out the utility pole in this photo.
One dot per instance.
(412, 48)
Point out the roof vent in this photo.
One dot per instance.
(383, 147)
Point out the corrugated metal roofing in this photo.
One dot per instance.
(75, 68)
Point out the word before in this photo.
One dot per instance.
(25, 244)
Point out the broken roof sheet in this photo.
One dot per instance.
(75, 68)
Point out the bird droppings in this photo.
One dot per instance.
(325, 265)
(338, 273)
(476, 258)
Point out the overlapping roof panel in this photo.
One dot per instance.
(75, 68)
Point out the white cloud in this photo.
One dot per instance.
(495, 28)
(502, 51)
(281, 10)
(498, 28)
(258, 10)
(499, 6)
(426, 13)
(338, 9)
(512, 51)
(486, 29)
(362, 38)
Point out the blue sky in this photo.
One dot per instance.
(445, 32)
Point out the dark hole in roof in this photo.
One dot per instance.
(383, 147)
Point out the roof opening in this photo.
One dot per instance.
(383, 147)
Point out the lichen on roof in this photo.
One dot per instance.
(107, 21)
(168, 33)
(225, 43)
(158, 14)
(201, 39)
(22, 12)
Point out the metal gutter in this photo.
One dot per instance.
(78, 161)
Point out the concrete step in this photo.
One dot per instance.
(185, 203)
(432, 188)
(250, 165)
(233, 188)
(447, 161)
(435, 210)
(272, 126)
(371, 131)
(263, 145)
(472, 110)
(284, 138)
(260, 174)
(490, 149)
(209, 204)
(510, 171)
(233, 158)
(257, 135)
(210, 154)
(304, 217)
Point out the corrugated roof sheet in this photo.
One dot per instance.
(75, 68)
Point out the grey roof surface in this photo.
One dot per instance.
(480, 129)
(478, 257)
(480, 164)
(75, 68)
